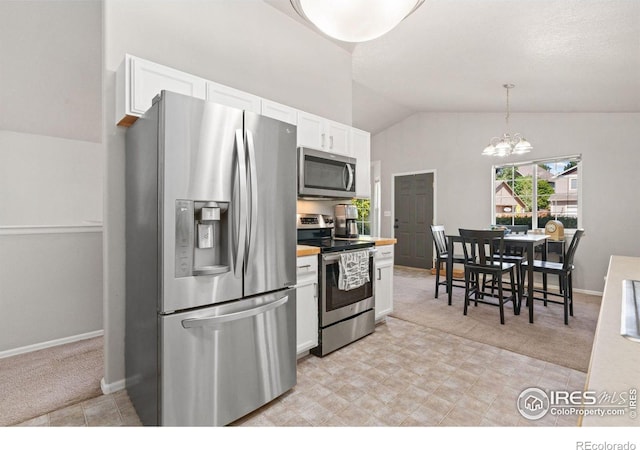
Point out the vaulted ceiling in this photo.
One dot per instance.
(455, 55)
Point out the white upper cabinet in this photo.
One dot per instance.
(338, 136)
(361, 149)
(280, 112)
(235, 98)
(323, 134)
(138, 81)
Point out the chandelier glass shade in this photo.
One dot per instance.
(355, 20)
(507, 144)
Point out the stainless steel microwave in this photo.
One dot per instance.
(325, 175)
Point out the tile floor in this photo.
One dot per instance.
(401, 375)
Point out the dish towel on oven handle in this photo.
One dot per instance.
(354, 270)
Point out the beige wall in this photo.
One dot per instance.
(451, 144)
(247, 45)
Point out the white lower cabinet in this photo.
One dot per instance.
(307, 304)
(383, 279)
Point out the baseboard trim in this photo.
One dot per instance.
(111, 387)
(48, 344)
(581, 291)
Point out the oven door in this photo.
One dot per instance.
(337, 304)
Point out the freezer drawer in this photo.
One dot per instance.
(220, 363)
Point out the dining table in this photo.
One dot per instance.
(528, 242)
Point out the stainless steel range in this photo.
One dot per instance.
(345, 314)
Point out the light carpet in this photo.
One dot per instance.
(547, 339)
(36, 383)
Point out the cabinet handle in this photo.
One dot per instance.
(322, 140)
(315, 290)
(330, 142)
(306, 266)
(379, 274)
(386, 253)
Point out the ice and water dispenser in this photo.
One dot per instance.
(201, 244)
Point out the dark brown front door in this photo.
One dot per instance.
(413, 197)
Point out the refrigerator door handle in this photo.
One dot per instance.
(242, 226)
(253, 179)
(215, 320)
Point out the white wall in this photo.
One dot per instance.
(49, 181)
(244, 44)
(50, 172)
(451, 143)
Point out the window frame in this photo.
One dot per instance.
(534, 213)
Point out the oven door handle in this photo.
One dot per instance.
(336, 256)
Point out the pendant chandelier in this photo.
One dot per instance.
(507, 144)
(355, 20)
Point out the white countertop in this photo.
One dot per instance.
(615, 360)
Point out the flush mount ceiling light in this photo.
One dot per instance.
(355, 20)
(508, 143)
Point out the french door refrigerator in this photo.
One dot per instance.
(210, 262)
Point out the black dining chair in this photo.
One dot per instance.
(564, 271)
(512, 254)
(440, 241)
(487, 262)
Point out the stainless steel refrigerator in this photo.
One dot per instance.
(210, 262)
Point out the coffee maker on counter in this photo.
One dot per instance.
(345, 217)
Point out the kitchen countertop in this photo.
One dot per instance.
(615, 360)
(307, 250)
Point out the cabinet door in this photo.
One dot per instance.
(311, 131)
(138, 81)
(228, 96)
(280, 112)
(338, 138)
(307, 318)
(361, 146)
(384, 281)
(307, 303)
(384, 290)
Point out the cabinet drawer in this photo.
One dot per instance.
(307, 269)
(384, 253)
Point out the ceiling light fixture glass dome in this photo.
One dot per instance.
(355, 20)
(507, 144)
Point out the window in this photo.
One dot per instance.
(573, 184)
(363, 221)
(532, 193)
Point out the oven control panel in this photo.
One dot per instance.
(304, 221)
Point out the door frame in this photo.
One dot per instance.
(393, 195)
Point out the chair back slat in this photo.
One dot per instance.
(481, 246)
(518, 229)
(439, 238)
(571, 251)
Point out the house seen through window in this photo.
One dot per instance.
(535, 192)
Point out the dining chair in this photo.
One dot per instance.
(512, 254)
(487, 262)
(564, 271)
(440, 241)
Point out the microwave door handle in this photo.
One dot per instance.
(350, 182)
(253, 180)
(242, 200)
